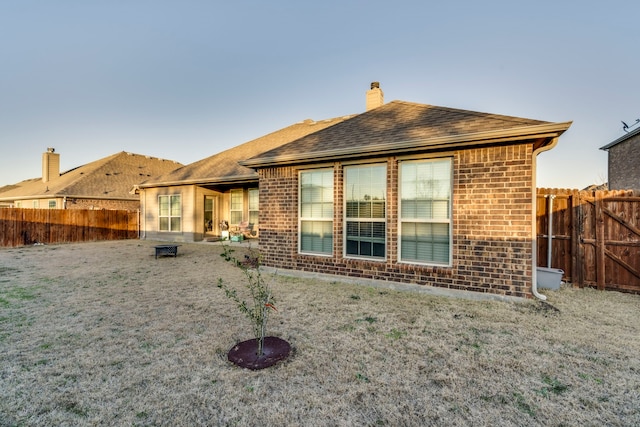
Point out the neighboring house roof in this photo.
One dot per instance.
(108, 178)
(623, 138)
(404, 127)
(224, 167)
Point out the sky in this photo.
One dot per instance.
(186, 79)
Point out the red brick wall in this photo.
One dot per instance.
(492, 228)
(278, 216)
(493, 219)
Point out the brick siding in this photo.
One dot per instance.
(492, 227)
(624, 165)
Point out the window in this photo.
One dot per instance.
(316, 211)
(35, 204)
(254, 203)
(425, 211)
(237, 197)
(169, 213)
(365, 190)
(52, 204)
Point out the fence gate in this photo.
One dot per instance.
(610, 241)
(595, 237)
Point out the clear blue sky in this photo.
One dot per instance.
(185, 79)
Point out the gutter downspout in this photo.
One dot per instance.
(550, 228)
(534, 196)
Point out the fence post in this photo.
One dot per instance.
(574, 205)
(600, 242)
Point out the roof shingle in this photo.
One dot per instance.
(397, 124)
(224, 167)
(110, 177)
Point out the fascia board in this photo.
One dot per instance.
(202, 181)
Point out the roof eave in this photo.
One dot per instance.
(33, 196)
(621, 139)
(546, 131)
(202, 181)
(64, 196)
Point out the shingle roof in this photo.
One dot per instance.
(224, 167)
(401, 126)
(111, 177)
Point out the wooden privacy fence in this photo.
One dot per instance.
(595, 237)
(28, 226)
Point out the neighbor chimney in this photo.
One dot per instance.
(50, 165)
(375, 97)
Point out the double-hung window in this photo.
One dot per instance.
(254, 202)
(169, 213)
(237, 206)
(316, 211)
(425, 211)
(365, 189)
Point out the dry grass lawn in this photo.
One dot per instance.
(104, 334)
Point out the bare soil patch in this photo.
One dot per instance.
(104, 334)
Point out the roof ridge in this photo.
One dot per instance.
(223, 160)
(469, 112)
(309, 122)
(121, 167)
(400, 124)
(146, 156)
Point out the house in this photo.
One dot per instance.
(403, 192)
(408, 193)
(102, 184)
(624, 161)
(189, 203)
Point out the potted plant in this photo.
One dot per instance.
(224, 229)
(262, 351)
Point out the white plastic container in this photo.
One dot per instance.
(549, 278)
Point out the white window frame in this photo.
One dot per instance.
(447, 220)
(233, 210)
(171, 214)
(325, 216)
(53, 204)
(254, 206)
(349, 197)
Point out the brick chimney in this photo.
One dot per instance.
(375, 96)
(50, 165)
